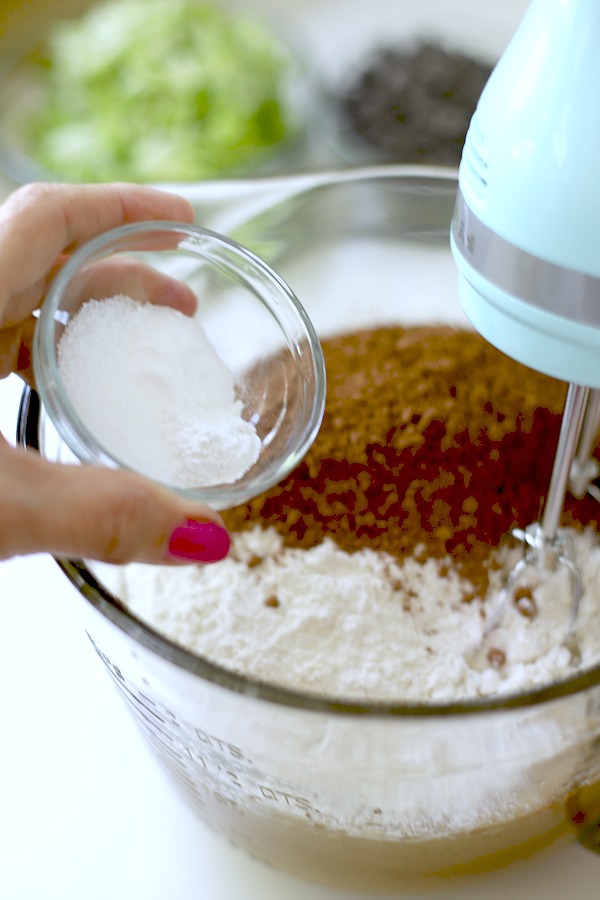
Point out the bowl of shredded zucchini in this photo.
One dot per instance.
(153, 91)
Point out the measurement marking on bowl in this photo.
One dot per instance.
(175, 741)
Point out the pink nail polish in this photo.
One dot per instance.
(199, 542)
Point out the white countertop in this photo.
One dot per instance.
(85, 811)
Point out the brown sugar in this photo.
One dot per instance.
(433, 443)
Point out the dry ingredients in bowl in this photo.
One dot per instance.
(369, 572)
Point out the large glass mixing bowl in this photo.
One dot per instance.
(375, 797)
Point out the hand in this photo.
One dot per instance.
(82, 511)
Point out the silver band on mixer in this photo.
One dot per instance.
(521, 274)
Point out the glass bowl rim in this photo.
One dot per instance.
(69, 424)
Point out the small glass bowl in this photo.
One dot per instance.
(251, 318)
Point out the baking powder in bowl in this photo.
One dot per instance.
(150, 387)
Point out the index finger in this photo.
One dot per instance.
(38, 222)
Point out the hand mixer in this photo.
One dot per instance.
(526, 237)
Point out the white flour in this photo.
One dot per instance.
(150, 387)
(360, 625)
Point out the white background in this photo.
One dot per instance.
(85, 811)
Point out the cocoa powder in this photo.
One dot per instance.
(433, 443)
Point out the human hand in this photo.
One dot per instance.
(83, 511)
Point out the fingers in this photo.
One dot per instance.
(39, 222)
(104, 514)
(15, 350)
(115, 276)
(124, 275)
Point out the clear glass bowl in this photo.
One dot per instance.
(376, 797)
(252, 320)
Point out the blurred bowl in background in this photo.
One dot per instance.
(410, 75)
(148, 90)
(411, 103)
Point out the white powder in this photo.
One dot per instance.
(151, 388)
(361, 625)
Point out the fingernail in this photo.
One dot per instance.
(199, 542)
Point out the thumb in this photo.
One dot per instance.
(103, 514)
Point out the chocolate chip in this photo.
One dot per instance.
(496, 657)
(525, 602)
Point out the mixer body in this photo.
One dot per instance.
(527, 221)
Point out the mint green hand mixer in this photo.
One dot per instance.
(526, 238)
